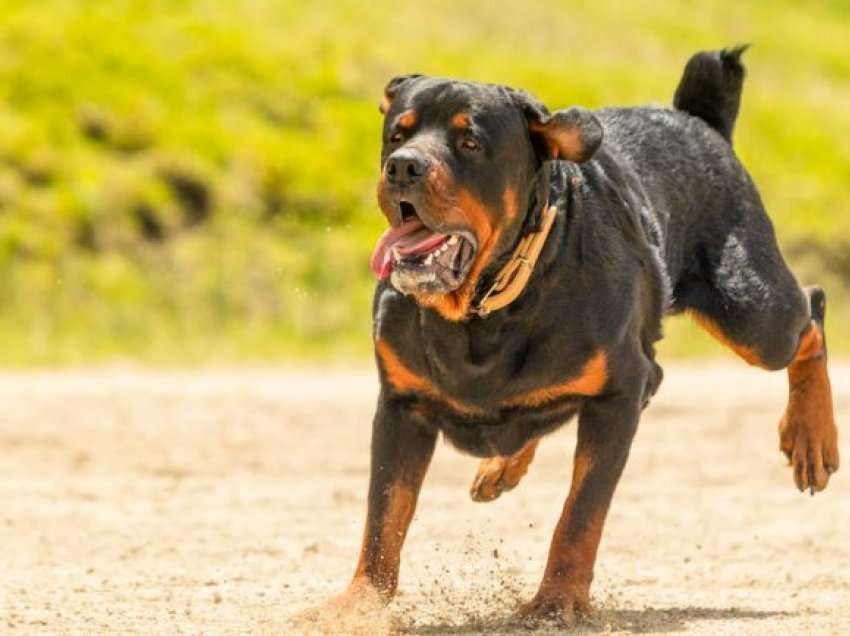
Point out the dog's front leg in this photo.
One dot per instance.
(606, 428)
(402, 446)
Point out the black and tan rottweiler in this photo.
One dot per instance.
(530, 260)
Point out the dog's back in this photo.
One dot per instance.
(679, 161)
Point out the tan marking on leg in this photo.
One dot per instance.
(565, 589)
(381, 567)
(811, 344)
(807, 432)
(748, 354)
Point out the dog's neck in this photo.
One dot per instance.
(551, 187)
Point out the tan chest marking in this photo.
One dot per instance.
(406, 381)
(590, 381)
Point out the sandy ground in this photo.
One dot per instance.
(223, 502)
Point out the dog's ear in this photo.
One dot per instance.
(573, 134)
(392, 89)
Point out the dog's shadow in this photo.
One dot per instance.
(631, 621)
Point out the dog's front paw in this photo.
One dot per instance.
(554, 606)
(359, 611)
(499, 474)
(495, 476)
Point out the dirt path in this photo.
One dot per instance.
(222, 502)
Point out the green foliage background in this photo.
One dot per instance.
(191, 181)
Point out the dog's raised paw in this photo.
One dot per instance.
(807, 432)
(499, 474)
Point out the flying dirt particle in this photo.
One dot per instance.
(495, 553)
(216, 598)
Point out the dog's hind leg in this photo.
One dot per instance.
(745, 296)
(807, 432)
(499, 474)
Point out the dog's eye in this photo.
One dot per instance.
(396, 137)
(468, 143)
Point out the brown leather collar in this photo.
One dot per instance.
(514, 275)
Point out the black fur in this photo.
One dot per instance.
(663, 218)
(711, 88)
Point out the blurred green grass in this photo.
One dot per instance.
(193, 181)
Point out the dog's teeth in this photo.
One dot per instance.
(429, 259)
(452, 239)
(396, 255)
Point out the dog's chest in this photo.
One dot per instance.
(490, 384)
(491, 391)
(502, 364)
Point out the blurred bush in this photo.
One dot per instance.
(193, 181)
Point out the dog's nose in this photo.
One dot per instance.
(405, 167)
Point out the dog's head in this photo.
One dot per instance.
(457, 168)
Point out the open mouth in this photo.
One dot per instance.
(419, 259)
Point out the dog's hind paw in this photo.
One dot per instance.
(811, 446)
(807, 432)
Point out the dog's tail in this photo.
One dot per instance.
(710, 88)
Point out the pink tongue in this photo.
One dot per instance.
(409, 239)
